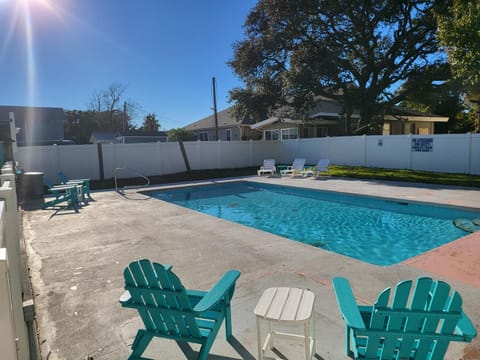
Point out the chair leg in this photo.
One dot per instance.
(205, 349)
(140, 343)
(228, 322)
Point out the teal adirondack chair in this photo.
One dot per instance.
(70, 193)
(84, 182)
(419, 329)
(170, 311)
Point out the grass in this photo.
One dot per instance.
(426, 177)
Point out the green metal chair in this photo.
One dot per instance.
(170, 311)
(420, 328)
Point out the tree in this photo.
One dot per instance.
(79, 125)
(112, 112)
(181, 134)
(150, 123)
(434, 90)
(459, 32)
(353, 50)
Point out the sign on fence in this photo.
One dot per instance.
(422, 145)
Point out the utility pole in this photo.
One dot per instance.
(124, 115)
(215, 107)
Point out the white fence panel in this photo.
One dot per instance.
(474, 155)
(313, 150)
(78, 161)
(266, 150)
(203, 154)
(7, 330)
(391, 152)
(235, 154)
(39, 158)
(146, 159)
(289, 150)
(348, 150)
(449, 154)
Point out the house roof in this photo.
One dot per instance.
(225, 120)
(100, 136)
(38, 113)
(403, 113)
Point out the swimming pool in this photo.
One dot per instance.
(374, 230)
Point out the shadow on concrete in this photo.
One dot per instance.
(237, 346)
(279, 354)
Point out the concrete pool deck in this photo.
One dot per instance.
(76, 260)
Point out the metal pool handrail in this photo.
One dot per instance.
(133, 172)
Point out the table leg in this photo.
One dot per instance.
(306, 327)
(259, 340)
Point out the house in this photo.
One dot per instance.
(327, 118)
(407, 121)
(36, 125)
(101, 137)
(324, 119)
(128, 137)
(228, 128)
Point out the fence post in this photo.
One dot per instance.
(410, 152)
(469, 165)
(7, 330)
(364, 150)
(251, 153)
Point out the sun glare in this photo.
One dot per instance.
(22, 16)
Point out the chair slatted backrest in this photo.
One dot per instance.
(298, 164)
(418, 330)
(161, 299)
(268, 164)
(323, 164)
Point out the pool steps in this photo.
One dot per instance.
(467, 225)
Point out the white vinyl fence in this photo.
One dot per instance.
(453, 153)
(14, 342)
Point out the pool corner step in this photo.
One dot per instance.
(467, 225)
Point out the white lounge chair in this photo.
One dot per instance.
(295, 169)
(320, 169)
(268, 167)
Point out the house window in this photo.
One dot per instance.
(423, 131)
(291, 133)
(228, 134)
(203, 136)
(271, 135)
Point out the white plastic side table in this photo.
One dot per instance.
(290, 306)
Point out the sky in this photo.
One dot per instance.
(58, 53)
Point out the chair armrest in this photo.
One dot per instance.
(346, 303)
(216, 294)
(465, 328)
(125, 298)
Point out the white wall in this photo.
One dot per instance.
(456, 153)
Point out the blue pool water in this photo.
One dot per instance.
(378, 231)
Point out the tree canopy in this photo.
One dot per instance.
(180, 134)
(354, 50)
(150, 123)
(459, 32)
